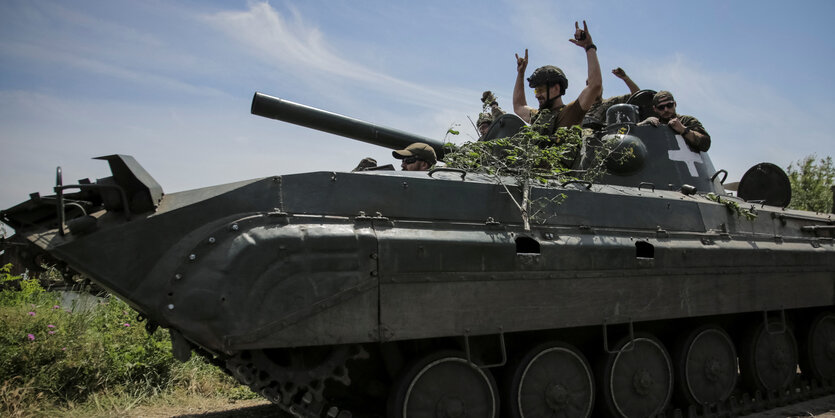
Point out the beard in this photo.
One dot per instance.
(547, 104)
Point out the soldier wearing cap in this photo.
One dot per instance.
(688, 127)
(416, 157)
(549, 84)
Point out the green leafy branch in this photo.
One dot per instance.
(528, 157)
(734, 206)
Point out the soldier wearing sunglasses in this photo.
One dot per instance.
(688, 127)
(549, 84)
(416, 157)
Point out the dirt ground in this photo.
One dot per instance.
(823, 407)
(256, 408)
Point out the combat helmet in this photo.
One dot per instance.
(484, 117)
(548, 75)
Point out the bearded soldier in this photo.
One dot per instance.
(549, 84)
(688, 127)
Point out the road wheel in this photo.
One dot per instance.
(552, 380)
(637, 379)
(444, 385)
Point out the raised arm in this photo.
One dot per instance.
(520, 104)
(619, 73)
(594, 89)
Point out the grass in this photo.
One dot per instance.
(60, 360)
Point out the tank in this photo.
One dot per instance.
(651, 292)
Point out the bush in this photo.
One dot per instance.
(53, 355)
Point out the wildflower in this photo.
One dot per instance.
(51, 332)
(31, 337)
(31, 314)
(64, 349)
(50, 326)
(56, 307)
(125, 324)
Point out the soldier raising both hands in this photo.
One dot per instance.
(549, 84)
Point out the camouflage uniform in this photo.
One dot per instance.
(496, 111)
(488, 99)
(689, 122)
(694, 125)
(365, 164)
(546, 122)
(596, 115)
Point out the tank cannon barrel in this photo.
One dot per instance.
(311, 117)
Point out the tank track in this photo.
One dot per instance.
(745, 404)
(298, 389)
(292, 383)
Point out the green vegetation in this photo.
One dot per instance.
(95, 358)
(530, 158)
(749, 213)
(522, 158)
(811, 181)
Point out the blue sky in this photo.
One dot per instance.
(170, 82)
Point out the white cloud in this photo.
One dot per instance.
(107, 68)
(48, 35)
(294, 44)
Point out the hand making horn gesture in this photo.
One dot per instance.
(522, 63)
(582, 37)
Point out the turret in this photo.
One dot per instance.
(310, 117)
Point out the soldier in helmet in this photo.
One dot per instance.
(549, 84)
(688, 127)
(416, 157)
(483, 123)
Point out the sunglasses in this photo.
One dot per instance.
(669, 105)
(410, 160)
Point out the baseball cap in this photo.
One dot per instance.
(661, 97)
(417, 149)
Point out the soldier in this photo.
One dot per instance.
(483, 124)
(488, 100)
(549, 84)
(596, 116)
(365, 164)
(688, 127)
(416, 157)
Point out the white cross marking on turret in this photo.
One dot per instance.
(686, 156)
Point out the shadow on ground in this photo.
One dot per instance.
(258, 411)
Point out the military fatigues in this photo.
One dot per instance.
(546, 122)
(496, 112)
(596, 115)
(694, 125)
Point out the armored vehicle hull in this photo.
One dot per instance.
(387, 293)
